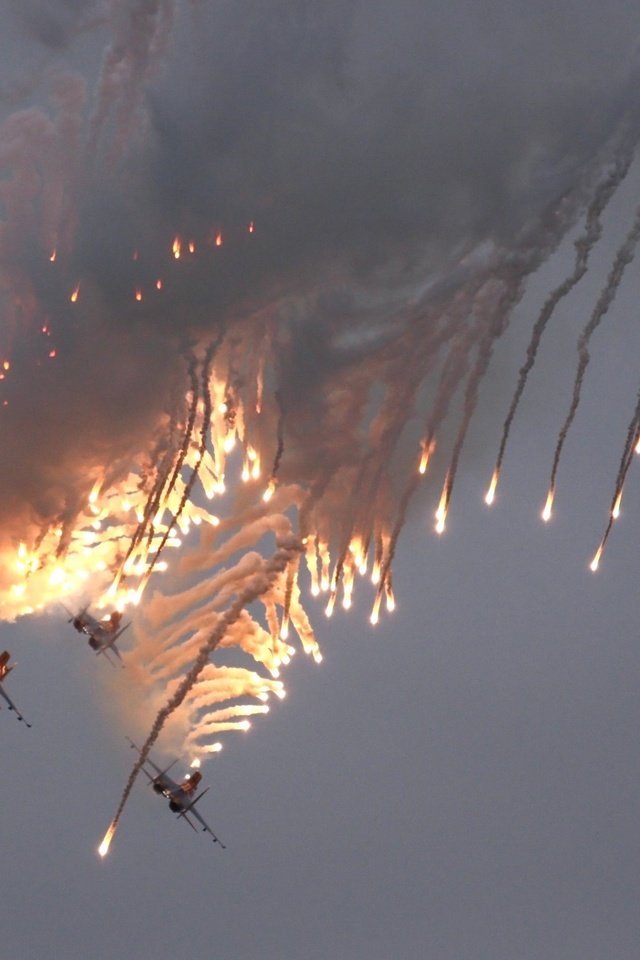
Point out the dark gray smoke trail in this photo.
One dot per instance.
(623, 257)
(633, 434)
(204, 433)
(280, 437)
(140, 33)
(166, 478)
(584, 245)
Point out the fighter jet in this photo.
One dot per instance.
(180, 795)
(5, 669)
(102, 634)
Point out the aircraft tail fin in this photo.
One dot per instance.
(4, 664)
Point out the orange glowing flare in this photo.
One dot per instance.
(266, 496)
(443, 506)
(6, 365)
(138, 294)
(252, 227)
(615, 513)
(176, 247)
(158, 284)
(546, 512)
(390, 598)
(491, 492)
(330, 605)
(53, 256)
(52, 354)
(373, 619)
(595, 563)
(103, 849)
(192, 247)
(637, 448)
(75, 294)
(218, 240)
(427, 451)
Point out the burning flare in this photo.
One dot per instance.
(615, 513)
(491, 492)
(443, 506)
(593, 566)
(103, 849)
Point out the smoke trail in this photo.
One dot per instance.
(628, 451)
(623, 257)
(633, 435)
(429, 331)
(495, 325)
(204, 432)
(141, 29)
(292, 571)
(280, 445)
(162, 487)
(583, 245)
(258, 585)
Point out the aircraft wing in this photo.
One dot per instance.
(12, 705)
(191, 810)
(160, 776)
(104, 648)
(82, 615)
(111, 642)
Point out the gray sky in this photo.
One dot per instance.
(462, 781)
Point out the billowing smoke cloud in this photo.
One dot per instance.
(370, 144)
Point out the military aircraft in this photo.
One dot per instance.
(102, 634)
(5, 669)
(180, 795)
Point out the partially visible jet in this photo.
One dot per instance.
(180, 795)
(102, 634)
(5, 670)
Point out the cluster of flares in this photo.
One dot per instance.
(263, 460)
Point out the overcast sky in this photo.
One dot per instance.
(460, 783)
